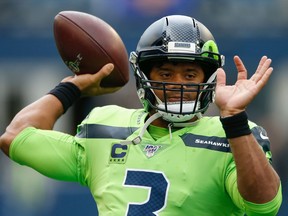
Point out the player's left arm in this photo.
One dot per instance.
(257, 181)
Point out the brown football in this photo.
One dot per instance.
(86, 43)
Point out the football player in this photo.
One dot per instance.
(167, 158)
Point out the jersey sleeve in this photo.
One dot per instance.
(253, 209)
(51, 153)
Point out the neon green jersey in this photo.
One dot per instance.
(188, 172)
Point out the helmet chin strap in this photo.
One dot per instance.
(138, 139)
(153, 117)
(176, 120)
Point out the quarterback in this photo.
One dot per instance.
(166, 158)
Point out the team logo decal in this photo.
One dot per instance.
(150, 150)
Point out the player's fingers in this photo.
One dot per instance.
(262, 60)
(105, 70)
(221, 77)
(242, 72)
(262, 68)
(264, 78)
(101, 74)
(91, 81)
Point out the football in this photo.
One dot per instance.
(86, 43)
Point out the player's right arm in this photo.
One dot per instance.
(43, 113)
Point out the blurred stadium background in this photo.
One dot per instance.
(30, 66)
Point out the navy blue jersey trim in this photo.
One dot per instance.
(212, 143)
(261, 136)
(221, 143)
(104, 131)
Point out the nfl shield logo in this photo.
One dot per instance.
(151, 150)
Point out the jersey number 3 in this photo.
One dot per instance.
(156, 183)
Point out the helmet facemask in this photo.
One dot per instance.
(181, 110)
(181, 49)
